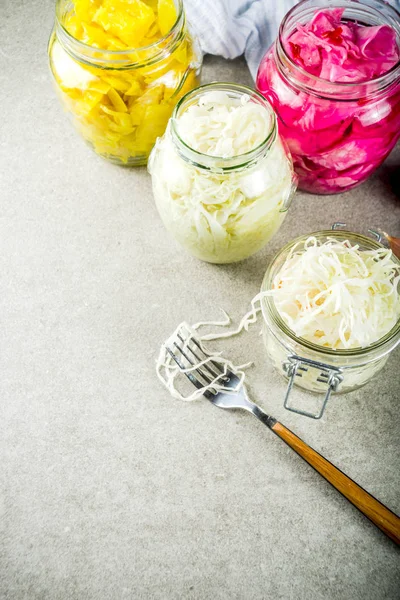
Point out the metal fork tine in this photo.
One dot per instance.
(216, 365)
(208, 394)
(190, 376)
(230, 395)
(219, 371)
(199, 372)
(213, 373)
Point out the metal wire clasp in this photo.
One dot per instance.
(296, 366)
(380, 236)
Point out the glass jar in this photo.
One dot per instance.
(121, 100)
(222, 210)
(317, 368)
(337, 133)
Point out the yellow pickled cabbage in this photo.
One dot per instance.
(121, 112)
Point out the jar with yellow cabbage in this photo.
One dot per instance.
(120, 66)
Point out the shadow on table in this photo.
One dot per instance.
(389, 175)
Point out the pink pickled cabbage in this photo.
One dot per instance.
(335, 144)
(342, 52)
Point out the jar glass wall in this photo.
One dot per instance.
(121, 99)
(222, 209)
(338, 133)
(315, 367)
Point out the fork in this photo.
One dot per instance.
(188, 352)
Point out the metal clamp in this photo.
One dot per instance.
(380, 236)
(338, 225)
(296, 366)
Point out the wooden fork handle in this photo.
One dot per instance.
(377, 512)
(395, 245)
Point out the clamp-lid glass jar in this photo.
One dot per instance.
(339, 120)
(222, 178)
(314, 367)
(119, 69)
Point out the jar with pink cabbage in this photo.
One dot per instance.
(333, 78)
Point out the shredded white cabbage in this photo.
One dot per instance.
(168, 371)
(223, 126)
(333, 294)
(221, 216)
(336, 295)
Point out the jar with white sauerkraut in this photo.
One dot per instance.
(331, 320)
(222, 178)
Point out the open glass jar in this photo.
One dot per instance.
(337, 133)
(220, 209)
(121, 99)
(317, 368)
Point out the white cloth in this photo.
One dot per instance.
(230, 28)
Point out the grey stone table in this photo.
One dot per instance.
(109, 488)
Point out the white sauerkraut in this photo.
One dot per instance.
(222, 216)
(221, 126)
(336, 295)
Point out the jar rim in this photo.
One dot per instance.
(118, 58)
(335, 88)
(224, 164)
(269, 309)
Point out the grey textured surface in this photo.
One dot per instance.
(109, 488)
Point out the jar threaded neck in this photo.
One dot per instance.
(130, 58)
(367, 12)
(219, 163)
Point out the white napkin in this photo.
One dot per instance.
(230, 28)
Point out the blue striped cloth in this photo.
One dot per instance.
(230, 28)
